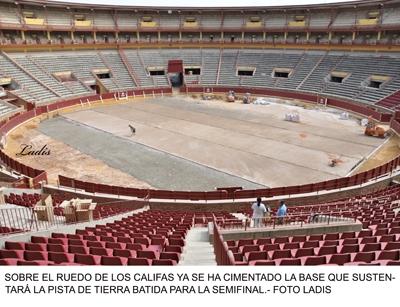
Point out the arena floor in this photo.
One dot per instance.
(184, 143)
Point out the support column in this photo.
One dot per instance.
(308, 36)
(285, 36)
(48, 36)
(201, 36)
(329, 36)
(379, 36)
(180, 35)
(242, 36)
(264, 36)
(72, 36)
(95, 36)
(222, 36)
(354, 36)
(137, 36)
(159, 36)
(22, 35)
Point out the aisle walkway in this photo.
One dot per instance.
(198, 250)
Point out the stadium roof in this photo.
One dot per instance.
(205, 4)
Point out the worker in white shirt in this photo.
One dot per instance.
(259, 210)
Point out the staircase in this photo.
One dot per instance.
(198, 250)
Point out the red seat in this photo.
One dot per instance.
(387, 238)
(179, 242)
(345, 249)
(98, 244)
(339, 259)
(35, 255)
(124, 253)
(36, 239)
(134, 246)
(326, 250)
(385, 256)
(100, 251)
(58, 241)
(331, 236)
(364, 257)
(36, 262)
(281, 240)
(303, 252)
(163, 262)
(392, 245)
(59, 235)
(312, 244)
(271, 247)
(139, 261)
(316, 260)
(77, 249)
(315, 238)
(278, 254)
(61, 257)
(350, 241)
(299, 239)
(370, 247)
(264, 241)
(295, 261)
(87, 259)
(8, 261)
(76, 242)
(146, 254)
(14, 245)
(291, 245)
(58, 248)
(330, 243)
(252, 257)
(347, 235)
(366, 240)
(6, 254)
(114, 245)
(248, 248)
(35, 247)
(111, 260)
(170, 256)
(264, 262)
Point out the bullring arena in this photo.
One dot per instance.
(138, 136)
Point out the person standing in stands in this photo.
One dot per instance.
(282, 212)
(259, 211)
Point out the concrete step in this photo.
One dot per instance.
(198, 251)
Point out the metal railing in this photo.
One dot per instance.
(26, 219)
(274, 222)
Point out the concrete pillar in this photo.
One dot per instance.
(159, 36)
(48, 36)
(354, 36)
(201, 35)
(23, 35)
(72, 36)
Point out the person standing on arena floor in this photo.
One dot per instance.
(282, 212)
(259, 211)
